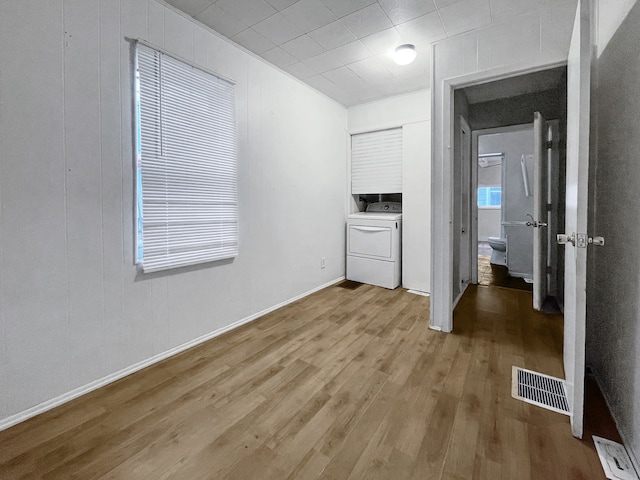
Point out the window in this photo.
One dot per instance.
(186, 167)
(489, 197)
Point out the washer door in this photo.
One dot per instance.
(370, 241)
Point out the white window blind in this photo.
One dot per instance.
(376, 162)
(187, 207)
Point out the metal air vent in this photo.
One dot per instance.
(539, 389)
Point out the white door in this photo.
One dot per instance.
(540, 230)
(578, 97)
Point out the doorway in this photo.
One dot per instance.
(503, 178)
(575, 150)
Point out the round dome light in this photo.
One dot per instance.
(405, 54)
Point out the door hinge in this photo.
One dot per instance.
(549, 145)
(549, 207)
(549, 270)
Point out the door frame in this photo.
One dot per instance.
(466, 205)
(441, 314)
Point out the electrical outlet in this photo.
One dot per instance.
(322, 262)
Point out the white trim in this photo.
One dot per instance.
(89, 387)
(432, 64)
(419, 292)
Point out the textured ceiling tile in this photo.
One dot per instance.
(249, 12)
(390, 87)
(504, 8)
(346, 79)
(384, 41)
(323, 84)
(364, 95)
(465, 15)
(280, 4)
(278, 28)
(400, 11)
(191, 7)
(300, 70)
(319, 82)
(252, 40)
(352, 52)
(333, 35)
(343, 47)
(367, 21)
(309, 14)
(279, 57)
(427, 27)
(323, 62)
(444, 3)
(372, 70)
(303, 47)
(344, 7)
(221, 21)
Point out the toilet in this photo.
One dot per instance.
(499, 250)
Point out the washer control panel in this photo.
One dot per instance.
(385, 207)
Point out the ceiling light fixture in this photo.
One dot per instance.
(405, 54)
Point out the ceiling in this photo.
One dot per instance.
(343, 47)
(519, 85)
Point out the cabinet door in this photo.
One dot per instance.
(376, 162)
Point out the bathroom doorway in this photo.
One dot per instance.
(505, 108)
(502, 174)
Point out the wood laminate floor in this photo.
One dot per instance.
(498, 275)
(347, 383)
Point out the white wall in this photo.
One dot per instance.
(412, 112)
(489, 223)
(73, 311)
(613, 292)
(529, 41)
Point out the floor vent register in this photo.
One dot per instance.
(539, 389)
(615, 460)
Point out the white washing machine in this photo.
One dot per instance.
(374, 240)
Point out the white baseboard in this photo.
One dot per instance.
(419, 292)
(78, 392)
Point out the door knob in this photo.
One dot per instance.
(535, 224)
(563, 239)
(597, 241)
(582, 239)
